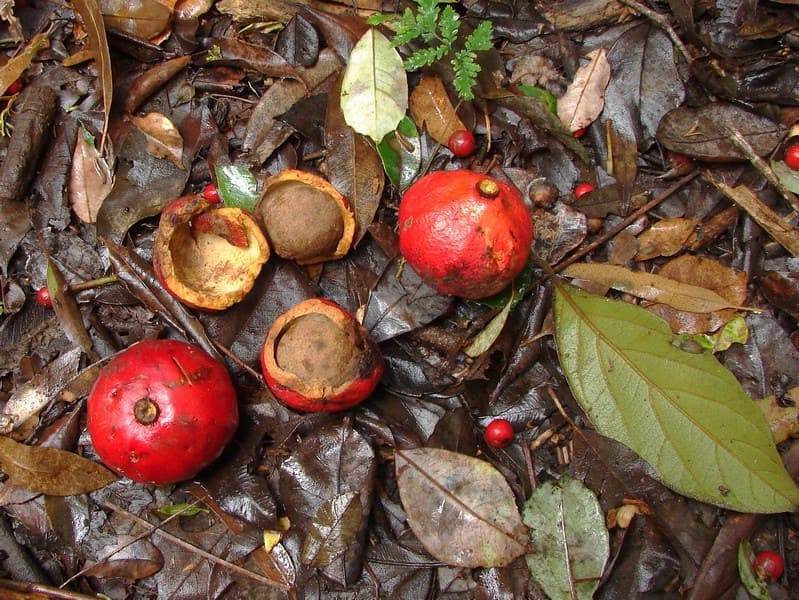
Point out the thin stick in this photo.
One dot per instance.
(192, 548)
(663, 23)
(631, 218)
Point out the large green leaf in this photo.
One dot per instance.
(569, 541)
(684, 413)
(374, 89)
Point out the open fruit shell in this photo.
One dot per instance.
(315, 396)
(298, 179)
(208, 256)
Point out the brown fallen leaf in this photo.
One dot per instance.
(667, 237)
(782, 420)
(51, 471)
(14, 68)
(584, 98)
(431, 107)
(90, 179)
(163, 138)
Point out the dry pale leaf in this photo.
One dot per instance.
(667, 237)
(163, 138)
(584, 99)
(90, 180)
(430, 107)
(14, 68)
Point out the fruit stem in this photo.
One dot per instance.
(92, 283)
(145, 411)
(488, 188)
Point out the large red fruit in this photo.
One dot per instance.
(464, 233)
(161, 411)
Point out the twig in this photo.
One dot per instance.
(24, 589)
(663, 23)
(566, 553)
(192, 548)
(758, 163)
(631, 218)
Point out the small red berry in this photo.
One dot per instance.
(792, 156)
(43, 297)
(14, 88)
(768, 565)
(582, 189)
(578, 133)
(499, 433)
(462, 143)
(211, 193)
(676, 159)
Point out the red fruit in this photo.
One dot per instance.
(578, 133)
(582, 189)
(499, 433)
(676, 159)
(792, 156)
(161, 411)
(15, 87)
(211, 193)
(462, 143)
(318, 358)
(43, 297)
(768, 565)
(464, 233)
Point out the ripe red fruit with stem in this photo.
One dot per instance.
(582, 189)
(161, 411)
(211, 193)
(43, 296)
(792, 156)
(499, 433)
(768, 565)
(462, 143)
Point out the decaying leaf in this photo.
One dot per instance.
(143, 19)
(782, 415)
(90, 179)
(460, 508)
(432, 109)
(667, 237)
(684, 413)
(51, 471)
(14, 68)
(570, 543)
(163, 138)
(585, 97)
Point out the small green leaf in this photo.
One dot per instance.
(569, 541)
(483, 341)
(756, 587)
(237, 186)
(185, 509)
(401, 154)
(542, 94)
(374, 89)
(684, 413)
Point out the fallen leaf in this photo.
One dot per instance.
(142, 19)
(568, 538)
(431, 108)
(237, 186)
(51, 471)
(584, 98)
(683, 413)
(667, 237)
(460, 507)
(483, 341)
(782, 415)
(90, 179)
(15, 67)
(163, 138)
(374, 89)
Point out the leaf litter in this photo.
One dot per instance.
(349, 501)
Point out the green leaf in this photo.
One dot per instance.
(483, 341)
(401, 157)
(542, 94)
(684, 413)
(374, 89)
(237, 186)
(564, 516)
(756, 587)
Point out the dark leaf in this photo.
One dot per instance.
(249, 56)
(341, 31)
(51, 471)
(298, 42)
(131, 559)
(332, 530)
(67, 310)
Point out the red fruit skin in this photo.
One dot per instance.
(460, 242)
(792, 156)
(462, 143)
(581, 189)
(43, 297)
(211, 193)
(15, 87)
(197, 412)
(768, 565)
(372, 367)
(499, 433)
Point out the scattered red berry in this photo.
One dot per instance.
(499, 433)
(675, 159)
(582, 189)
(578, 133)
(768, 565)
(43, 297)
(211, 193)
(462, 143)
(792, 156)
(14, 88)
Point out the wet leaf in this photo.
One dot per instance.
(432, 109)
(569, 541)
(163, 138)
(483, 341)
(131, 559)
(667, 237)
(683, 413)
(15, 67)
(237, 186)
(703, 132)
(584, 99)
(90, 179)
(89, 13)
(144, 19)
(51, 471)
(460, 508)
(354, 167)
(298, 42)
(649, 286)
(326, 487)
(401, 153)
(67, 310)
(374, 88)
